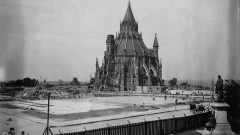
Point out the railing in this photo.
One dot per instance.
(156, 127)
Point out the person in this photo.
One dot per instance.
(219, 87)
(165, 96)
(153, 98)
(11, 132)
(176, 104)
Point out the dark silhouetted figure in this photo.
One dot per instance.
(219, 87)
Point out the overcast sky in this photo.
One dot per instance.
(60, 39)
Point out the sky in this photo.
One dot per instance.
(60, 39)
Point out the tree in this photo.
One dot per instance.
(92, 80)
(232, 89)
(26, 82)
(173, 82)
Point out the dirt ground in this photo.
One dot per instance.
(30, 116)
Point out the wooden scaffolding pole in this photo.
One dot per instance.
(47, 129)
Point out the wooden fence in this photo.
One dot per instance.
(156, 127)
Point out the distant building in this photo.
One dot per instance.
(75, 81)
(128, 64)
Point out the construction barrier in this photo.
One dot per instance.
(156, 127)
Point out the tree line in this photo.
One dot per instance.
(25, 82)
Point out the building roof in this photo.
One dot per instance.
(131, 46)
(129, 14)
(129, 41)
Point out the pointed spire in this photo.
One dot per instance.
(97, 64)
(155, 42)
(129, 14)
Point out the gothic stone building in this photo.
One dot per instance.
(128, 64)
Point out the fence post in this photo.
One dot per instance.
(174, 124)
(160, 126)
(129, 127)
(145, 126)
(185, 121)
(108, 129)
(59, 131)
(84, 132)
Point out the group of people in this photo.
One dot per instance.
(12, 132)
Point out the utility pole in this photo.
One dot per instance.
(47, 129)
(212, 89)
(48, 112)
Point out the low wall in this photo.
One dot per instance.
(148, 89)
(154, 89)
(159, 127)
(141, 89)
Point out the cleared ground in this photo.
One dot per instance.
(30, 116)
